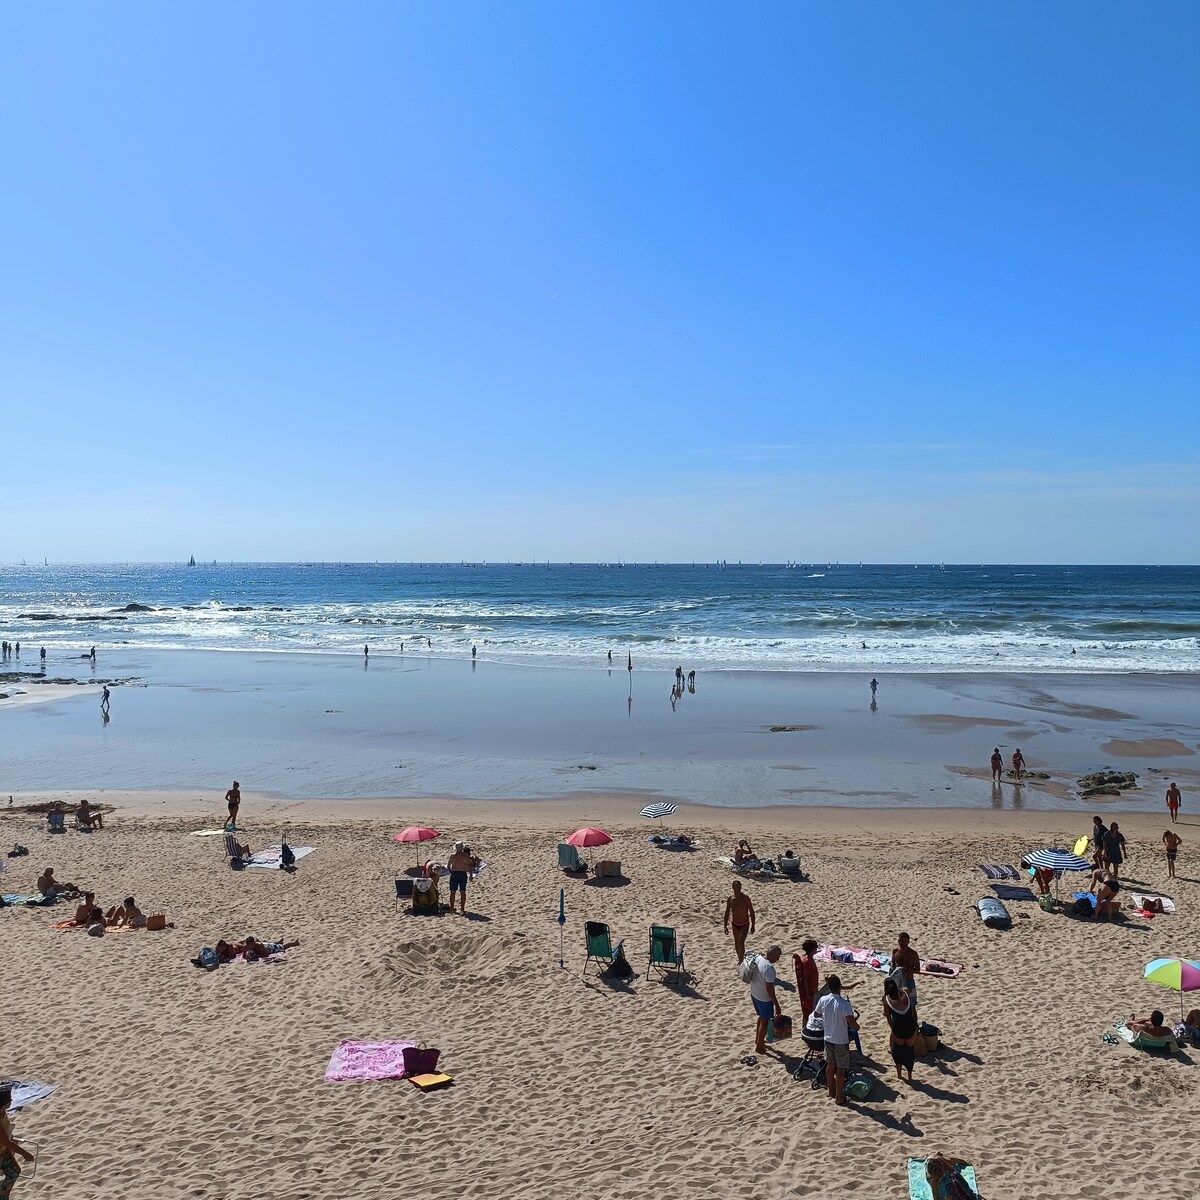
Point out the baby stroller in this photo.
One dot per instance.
(813, 1037)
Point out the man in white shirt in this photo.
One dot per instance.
(762, 995)
(837, 1016)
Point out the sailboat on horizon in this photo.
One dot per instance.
(192, 561)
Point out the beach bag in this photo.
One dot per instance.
(619, 968)
(858, 1087)
(748, 967)
(779, 1028)
(930, 1031)
(1046, 903)
(96, 930)
(157, 921)
(207, 958)
(286, 858)
(1082, 908)
(420, 1060)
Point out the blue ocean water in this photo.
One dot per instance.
(794, 618)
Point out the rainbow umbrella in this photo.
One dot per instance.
(1179, 974)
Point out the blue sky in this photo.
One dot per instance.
(881, 282)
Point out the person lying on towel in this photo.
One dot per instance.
(1151, 1026)
(942, 1172)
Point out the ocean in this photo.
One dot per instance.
(932, 618)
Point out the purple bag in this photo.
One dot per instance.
(419, 1060)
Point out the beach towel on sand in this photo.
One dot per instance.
(918, 1185)
(271, 857)
(1006, 891)
(367, 1060)
(24, 1094)
(998, 871)
(1138, 900)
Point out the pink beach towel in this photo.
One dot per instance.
(367, 1060)
(853, 955)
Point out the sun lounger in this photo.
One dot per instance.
(1143, 1041)
(918, 1185)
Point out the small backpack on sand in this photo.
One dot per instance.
(748, 967)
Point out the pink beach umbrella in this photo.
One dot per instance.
(588, 837)
(416, 833)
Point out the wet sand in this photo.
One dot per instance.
(334, 727)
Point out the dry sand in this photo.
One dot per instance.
(174, 1082)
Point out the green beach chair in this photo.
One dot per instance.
(599, 945)
(666, 953)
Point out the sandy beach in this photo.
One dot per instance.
(177, 1082)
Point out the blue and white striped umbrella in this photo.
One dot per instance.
(1057, 860)
(659, 809)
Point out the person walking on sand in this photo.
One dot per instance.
(1099, 833)
(104, 697)
(997, 765)
(10, 1148)
(837, 1018)
(366, 652)
(1172, 841)
(874, 687)
(762, 995)
(1173, 799)
(739, 913)
(233, 799)
(1018, 764)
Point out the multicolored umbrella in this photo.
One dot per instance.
(1178, 974)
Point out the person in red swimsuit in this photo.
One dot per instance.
(808, 980)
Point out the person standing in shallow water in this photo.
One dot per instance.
(874, 687)
(1173, 801)
(997, 765)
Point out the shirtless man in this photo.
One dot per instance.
(49, 886)
(1172, 841)
(997, 765)
(1151, 1026)
(739, 912)
(1173, 799)
(1018, 764)
(908, 961)
(88, 913)
(461, 863)
(86, 815)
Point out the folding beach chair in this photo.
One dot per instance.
(404, 892)
(790, 867)
(236, 859)
(56, 821)
(666, 954)
(599, 945)
(569, 860)
(80, 824)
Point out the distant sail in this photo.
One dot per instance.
(192, 561)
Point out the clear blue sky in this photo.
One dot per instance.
(777, 280)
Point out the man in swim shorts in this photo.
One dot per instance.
(762, 995)
(1173, 799)
(739, 912)
(997, 765)
(1172, 841)
(460, 869)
